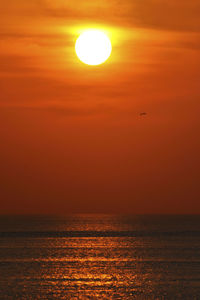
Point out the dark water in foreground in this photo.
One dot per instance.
(100, 257)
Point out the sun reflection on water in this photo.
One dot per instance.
(147, 265)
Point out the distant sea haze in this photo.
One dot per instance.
(100, 257)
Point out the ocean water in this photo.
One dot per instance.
(100, 257)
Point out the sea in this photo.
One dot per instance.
(100, 257)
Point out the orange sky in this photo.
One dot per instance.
(71, 136)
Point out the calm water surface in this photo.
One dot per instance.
(100, 257)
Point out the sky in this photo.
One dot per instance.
(72, 138)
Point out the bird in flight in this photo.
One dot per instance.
(143, 114)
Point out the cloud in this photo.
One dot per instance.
(181, 15)
(66, 110)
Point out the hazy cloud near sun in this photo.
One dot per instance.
(157, 14)
(180, 15)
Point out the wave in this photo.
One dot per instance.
(63, 234)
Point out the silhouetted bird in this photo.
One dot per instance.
(143, 114)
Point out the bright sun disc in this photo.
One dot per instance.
(93, 47)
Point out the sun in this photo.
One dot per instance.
(93, 47)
